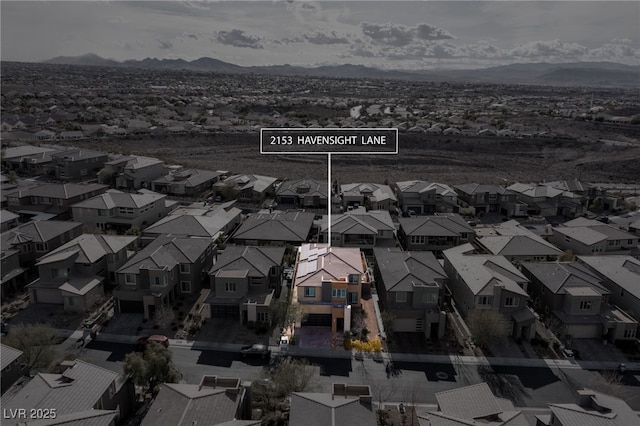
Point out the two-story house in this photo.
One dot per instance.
(246, 188)
(35, 239)
(275, 228)
(74, 275)
(191, 404)
(515, 242)
(620, 275)
(135, 172)
(77, 164)
(206, 222)
(244, 281)
(434, 233)
(576, 303)
(162, 271)
(303, 193)
(411, 287)
(28, 160)
(479, 281)
(345, 405)
(490, 198)
(422, 197)
(586, 237)
(373, 196)
(80, 393)
(360, 228)
(186, 182)
(328, 282)
(545, 200)
(119, 211)
(51, 200)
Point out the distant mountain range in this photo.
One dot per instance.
(568, 74)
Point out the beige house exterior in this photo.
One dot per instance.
(328, 283)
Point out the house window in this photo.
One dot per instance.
(417, 239)
(464, 236)
(585, 305)
(629, 242)
(339, 293)
(629, 333)
(230, 287)
(353, 298)
(185, 286)
(59, 201)
(309, 292)
(103, 212)
(354, 278)
(263, 316)
(129, 279)
(401, 296)
(42, 247)
(511, 301)
(162, 281)
(430, 298)
(185, 268)
(485, 300)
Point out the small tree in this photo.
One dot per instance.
(106, 176)
(164, 316)
(292, 375)
(487, 326)
(12, 176)
(388, 321)
(36, 343)
(152, 368)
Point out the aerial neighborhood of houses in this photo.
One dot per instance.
(126, 252)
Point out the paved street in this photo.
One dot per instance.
(414, 379)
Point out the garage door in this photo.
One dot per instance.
(225, 311)
(131, 307)
(318, 319)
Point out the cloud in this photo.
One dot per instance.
(429, 32)
(325, 38)
(239, 38)
(165, 44)
(400, 35)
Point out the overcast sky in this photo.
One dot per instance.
(387, 34)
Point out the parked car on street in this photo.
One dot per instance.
(256, 350)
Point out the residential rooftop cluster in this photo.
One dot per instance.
(80, 227)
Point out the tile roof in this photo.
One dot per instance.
(256, 260)
(186, 405)
(37, 231)
(167, 251)
(112, 199)
(255, 182)
(481, 272)
(602, 410)
(194, 225)
(90, 247)
(318, 262)
(325, 409)
(469, 402)
(81, 418)
(309, 186)
(8, 355)
(419, 186)
(400, 270)
(558, 276)
(518, 245)
(623, 271)
(375, 191)
(65, 191)
(189, 177)
(435, 226)
(77, 389)
(290, 226)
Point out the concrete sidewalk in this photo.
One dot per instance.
(343, 354)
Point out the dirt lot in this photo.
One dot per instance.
(449, 159)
